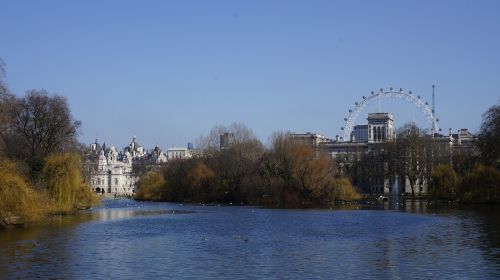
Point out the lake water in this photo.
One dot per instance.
(125, 239)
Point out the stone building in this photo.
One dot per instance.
(179, 153)
(111, 172)
(380, 128)
(369, 139)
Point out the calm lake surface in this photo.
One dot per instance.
(125, 239)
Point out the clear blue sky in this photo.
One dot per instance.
(167, 71)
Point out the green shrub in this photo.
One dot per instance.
(151, 187)
(338, 189)
(482, 184)
(444, 183)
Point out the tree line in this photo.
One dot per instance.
(40, 158)
(291, 174)
(233, 166)
(467, 173)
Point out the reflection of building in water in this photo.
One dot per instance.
(370, 139)
(116, 214)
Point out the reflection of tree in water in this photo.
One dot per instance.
(490, 225)
(43, 250)
(40, 251)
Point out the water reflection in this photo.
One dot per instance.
(125, 239)
(118, 214)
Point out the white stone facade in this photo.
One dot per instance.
(178, 153)
(112, 173)
(380, 128)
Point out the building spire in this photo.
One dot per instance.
(433, 111)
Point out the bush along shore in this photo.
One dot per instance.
(59, 192)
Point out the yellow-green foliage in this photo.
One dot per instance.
(199, 177)
(151, 187)
(341, 189)
(17, 197)
(444, 182)
(85, 197)
(64, 182)
(482, 184)
(345, 190)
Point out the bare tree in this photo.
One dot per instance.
(232, 158)
(237, 134)
(6, 102)
(409, 149)
(3, 87)
(489, 137)
(41, 125)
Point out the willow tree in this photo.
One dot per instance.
(444, 183)
(482, 184)
(200, 177)
(151, 187)
(18, 201)
(64, 180)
